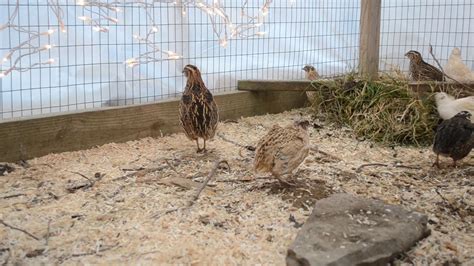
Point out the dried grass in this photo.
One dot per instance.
(385, 110)
(238, 219)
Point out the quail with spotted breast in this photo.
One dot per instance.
(198, 111)
(420, 70)
(282, 149)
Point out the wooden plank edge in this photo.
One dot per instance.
(465, 89)
(26, 138)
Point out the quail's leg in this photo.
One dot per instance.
(204, 149)
(454, 164)
(199, 149)
(436, 163)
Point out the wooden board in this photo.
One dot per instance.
(298, 85)
(28, 138)
(274, 85)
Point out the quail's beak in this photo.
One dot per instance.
(406, 54)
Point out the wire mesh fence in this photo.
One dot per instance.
(414, 25)
(79, 66)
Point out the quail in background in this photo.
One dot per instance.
(420, 70)
(448, 106)
(454, 138)
(311, 74)
(197, 111)
(282, 150)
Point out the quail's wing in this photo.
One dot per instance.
(267, 147)
(212, 113)
(431, 72)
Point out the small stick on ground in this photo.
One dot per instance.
(455, 209)
(84, 176)
(19, 229)
(171, 166)
(198, 192)
(47, 233)
(316, 149)
(208, 178)
(224, 138)
(359, 169)
(13, 196)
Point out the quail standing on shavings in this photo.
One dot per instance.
(454, 138)
(422, 71)
(448, 106)
(198, 110)
(282, 150)
(311, 74)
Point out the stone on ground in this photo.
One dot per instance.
(350, 230)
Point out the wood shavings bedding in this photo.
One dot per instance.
(238, 219)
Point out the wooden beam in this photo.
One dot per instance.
(274, 85)
(28, 138)
(463, 90)
(369, 38)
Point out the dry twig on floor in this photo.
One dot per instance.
(19, 229)
(316, 149)
(198, 191)
(224, 138)
(208, 178)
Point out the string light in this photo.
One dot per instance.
(223, 28)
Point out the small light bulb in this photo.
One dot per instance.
(260, 33)
(51, 60)
(4, 60)
(2, 75)
(154, 29)
(84, 18)
(114, 20)
(48, 46)
(80, 2)
(172, 55)
(223, 42)
(50, 31)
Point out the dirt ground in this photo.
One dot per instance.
(127, 203)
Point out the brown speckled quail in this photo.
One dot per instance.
(282, 150)
(311, 74)
(197, 110)
(420, 70)
(454, 138)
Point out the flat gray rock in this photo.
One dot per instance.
(350, 230)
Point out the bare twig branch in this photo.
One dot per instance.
(359, 169)
(19, 229)
(224, 138)
(171, 166)
(442, 70)
(198, 192)
(13, 196)
(396, 165)
(208, 178)
(47, 233)
(316, 149)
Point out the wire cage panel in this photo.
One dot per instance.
(81, 67)
(414, 25)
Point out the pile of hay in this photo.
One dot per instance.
(385, 110)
